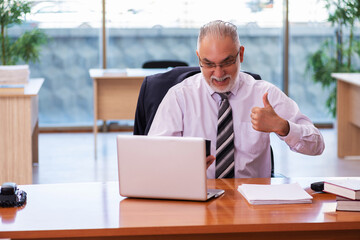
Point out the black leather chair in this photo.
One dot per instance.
(153, 90)
(164, 64)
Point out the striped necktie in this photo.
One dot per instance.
(225, 140)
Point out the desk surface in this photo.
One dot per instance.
(96, 209)
(352, 78)
(32, 88)
(118, 73)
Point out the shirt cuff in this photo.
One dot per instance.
(293, 136)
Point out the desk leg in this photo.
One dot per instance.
(104, 127)
(35, 143)
(95, 130)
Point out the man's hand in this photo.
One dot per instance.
(266, 120)
(209, 160)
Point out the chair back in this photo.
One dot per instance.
(164, 64)
(152, 91)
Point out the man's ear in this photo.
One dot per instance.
(197, 53)
(241, 53)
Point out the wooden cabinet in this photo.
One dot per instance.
(19, 133)
(348, 114)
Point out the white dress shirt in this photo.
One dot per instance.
(190, 108)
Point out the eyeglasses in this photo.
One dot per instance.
(226, 63)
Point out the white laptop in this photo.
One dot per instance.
(163, 167)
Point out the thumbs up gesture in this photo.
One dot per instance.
(266, 120)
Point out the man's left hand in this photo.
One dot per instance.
(266, 120)
(209, 160)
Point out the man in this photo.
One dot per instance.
(253, 110)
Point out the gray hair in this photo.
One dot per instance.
(220, 29)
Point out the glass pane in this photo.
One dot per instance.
(140, 31)
(308, 29)
(191, 14)
(65, 13)
(72, 26)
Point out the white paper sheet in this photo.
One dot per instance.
(274, 194)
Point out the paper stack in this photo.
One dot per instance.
(274, 194)
(14, 74)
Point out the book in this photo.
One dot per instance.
(348, 188)
(14, 74)
(274, 194)
(12, 88)
(345, 204)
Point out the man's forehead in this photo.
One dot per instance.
(217, 54)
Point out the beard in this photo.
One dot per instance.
(223, 89)
(232, 80)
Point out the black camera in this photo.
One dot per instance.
(11, 196)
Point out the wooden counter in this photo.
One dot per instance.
(348, 114)
(19, 133)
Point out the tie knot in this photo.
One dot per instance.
(224, 95)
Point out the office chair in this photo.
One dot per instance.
(154, 89)
(164, 64)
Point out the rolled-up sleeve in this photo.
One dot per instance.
(304, 139)
(303, 136)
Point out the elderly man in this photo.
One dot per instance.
(233, 110)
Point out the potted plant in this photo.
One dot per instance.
(336, 54)
(25, 48)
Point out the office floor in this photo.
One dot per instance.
(69, 157)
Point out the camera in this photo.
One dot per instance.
(11, 196)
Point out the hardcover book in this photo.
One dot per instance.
(348, 188)
(345, 204)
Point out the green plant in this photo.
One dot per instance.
(335, 55)
(27, 46)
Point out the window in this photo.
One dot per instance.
(142, 30)
(308, 29)
(73, 28)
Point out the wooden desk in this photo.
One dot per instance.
(96, 211)
(348, 114)
(116, 92)
(19, 133)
